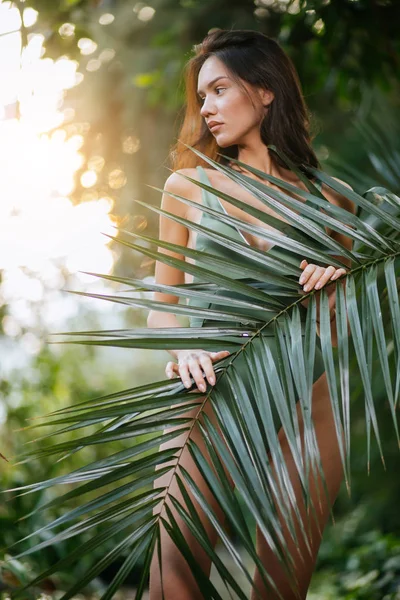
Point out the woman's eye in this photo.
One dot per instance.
(201, 100)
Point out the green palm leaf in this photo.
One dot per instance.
(116, 497)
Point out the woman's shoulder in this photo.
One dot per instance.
(181, 181)
(337, 198)
(178, 184)
(177, 179)
(342, 182)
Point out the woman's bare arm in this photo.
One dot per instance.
(196, 363)
(175, 233)
(347, 242)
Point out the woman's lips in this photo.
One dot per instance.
(216, 126)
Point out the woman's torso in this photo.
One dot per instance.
(226, 185)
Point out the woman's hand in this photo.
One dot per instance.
(316, 277)
(197, 363)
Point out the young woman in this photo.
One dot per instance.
(243, 94)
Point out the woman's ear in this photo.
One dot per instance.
(266, 96)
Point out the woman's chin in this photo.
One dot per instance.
(223, 141)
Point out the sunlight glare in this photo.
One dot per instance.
(38, 222)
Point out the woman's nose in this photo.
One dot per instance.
(207, 108)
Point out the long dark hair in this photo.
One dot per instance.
(260, 61)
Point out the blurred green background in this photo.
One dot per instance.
(91, 100)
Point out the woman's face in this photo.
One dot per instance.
(224, 101)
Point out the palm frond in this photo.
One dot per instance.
(118, 497)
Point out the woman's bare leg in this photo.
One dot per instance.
(178, 581)
(332, 467)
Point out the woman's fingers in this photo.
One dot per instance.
(184, 374)
(171, 369)
(197, 374)
(313, 277)
(326, 276)
(197, 365)
(218, 355)
(307, 272)
(205, 360)
(206, 365)
(338, 273)
(316, 277)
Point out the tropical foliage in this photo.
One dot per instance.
(117, 494)
(339, 52)
(360, 566)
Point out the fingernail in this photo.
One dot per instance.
(187, 383)
(212, 380)
(202, 388)
(301, 279)
(306, 288)
(317, 286)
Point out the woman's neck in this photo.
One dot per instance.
(258, 157)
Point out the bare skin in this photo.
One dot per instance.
(225, 102)
(178, 581)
